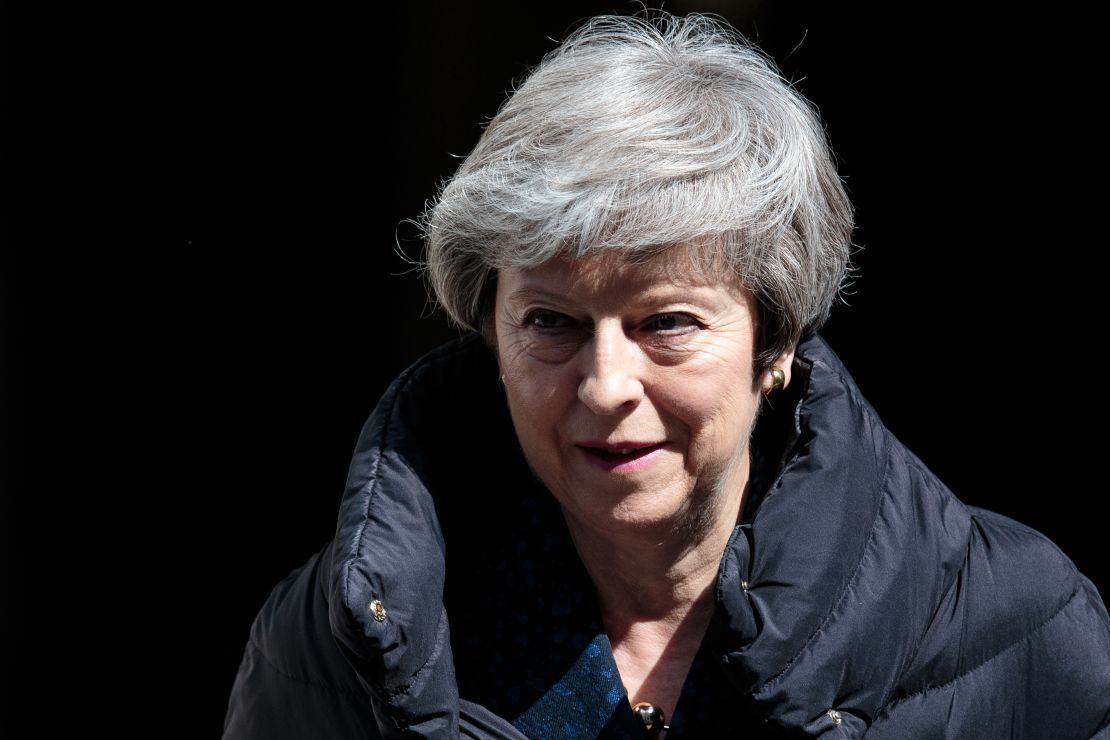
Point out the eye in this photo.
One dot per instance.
(549, 336)
(547, 321)
(672, 323)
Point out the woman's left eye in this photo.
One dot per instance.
(671, 322)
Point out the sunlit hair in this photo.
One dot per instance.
(639, 133)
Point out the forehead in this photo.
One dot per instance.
(608, 272)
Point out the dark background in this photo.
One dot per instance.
(202, 295)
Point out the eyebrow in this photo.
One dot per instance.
(669, 293)
(527, 293)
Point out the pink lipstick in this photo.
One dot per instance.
(624, 457)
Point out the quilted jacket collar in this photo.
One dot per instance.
(834, 543)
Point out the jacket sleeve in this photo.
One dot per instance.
(293, 682)
(269, 704)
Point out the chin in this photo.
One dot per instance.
(635, 512)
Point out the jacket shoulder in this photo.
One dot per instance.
(1018, 647)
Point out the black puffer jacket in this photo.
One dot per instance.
(858, 596)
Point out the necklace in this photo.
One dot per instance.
(652, 717)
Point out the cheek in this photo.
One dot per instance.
(537, 401)
(719, 410)
(536, 423)
(534, 390)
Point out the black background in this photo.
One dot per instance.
(203, 298)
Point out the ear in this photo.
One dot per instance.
(784, 363)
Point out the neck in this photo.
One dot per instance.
(661, 573)
(652, 581)
(655, 589)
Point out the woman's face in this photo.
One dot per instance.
(631, 387)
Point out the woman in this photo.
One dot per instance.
(644, 497)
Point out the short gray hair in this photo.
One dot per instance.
(636, 134)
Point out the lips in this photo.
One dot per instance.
(620, 457)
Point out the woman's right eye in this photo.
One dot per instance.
(545, 320)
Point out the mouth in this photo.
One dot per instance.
(620, 457)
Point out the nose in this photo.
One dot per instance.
(611, 373)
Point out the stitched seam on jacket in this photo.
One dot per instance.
(885, 452)
(1012, 646)
(300, 679)
(403, 689)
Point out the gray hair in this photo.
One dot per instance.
(640, 133)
